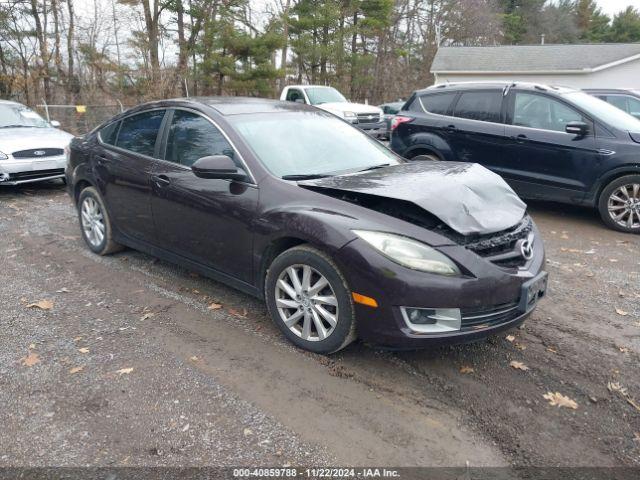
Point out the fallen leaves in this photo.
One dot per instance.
(510, 338)
(238, 313)
(42, 305)
(83, 350)
(518, 365)
(76, 370)
(615, 387)
(124, 371)
(621, 312)
(30, 360)
(214, 306)
(466, 369)
(556, 399)
(147, 316)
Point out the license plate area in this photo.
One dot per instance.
(532, 291)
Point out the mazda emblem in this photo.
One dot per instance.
(39, 153)
(526, 247)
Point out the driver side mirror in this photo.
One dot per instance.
(299, 100)
(218, 166)
(55, 123)
(579, 129)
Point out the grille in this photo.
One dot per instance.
(31, 153)
(368, 118)
(500, 247)
(36, 174)
(475, 318)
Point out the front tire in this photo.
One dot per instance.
(309, 300)
(619, 204)
(95, 223)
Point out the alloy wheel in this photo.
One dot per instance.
(624, 205)
(306, 302)
(92, 221)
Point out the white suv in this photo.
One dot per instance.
(31, 149)
(366, 117)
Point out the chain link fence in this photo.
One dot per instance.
(80, 119)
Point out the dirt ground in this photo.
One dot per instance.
(128, 365)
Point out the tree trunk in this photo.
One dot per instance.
(72, 85)
(151, 23)
(44, 52)
(285, 48)
(57, 57)
(354, 47)
(183, 52)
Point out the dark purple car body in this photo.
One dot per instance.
(232, 229)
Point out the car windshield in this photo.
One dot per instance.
(16, 115)
(300, 144)
(319, 95)
(604, 111)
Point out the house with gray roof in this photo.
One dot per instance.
(601, 65)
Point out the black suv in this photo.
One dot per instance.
(549, 143)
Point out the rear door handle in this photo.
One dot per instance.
(451, 128)
(160, 180)
(522, 138)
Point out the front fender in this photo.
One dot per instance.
(325, 229)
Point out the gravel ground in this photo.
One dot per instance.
(129, 366)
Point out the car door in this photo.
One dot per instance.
(123, 162)
(477, 131)
(430, 113)
(550, 163)
(206, 220)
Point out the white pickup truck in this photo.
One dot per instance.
(366, 117)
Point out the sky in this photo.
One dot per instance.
(611, 7)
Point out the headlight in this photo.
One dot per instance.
(409, 253)
(350, 115)
(3, 156)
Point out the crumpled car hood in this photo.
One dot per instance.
(465, 196)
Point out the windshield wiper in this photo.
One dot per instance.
(15, 126)
(309, 176)
(375, 167)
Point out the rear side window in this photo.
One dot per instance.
(138, 133)
(438, 103)
(108, 133)
(191, 137)
(484, 106)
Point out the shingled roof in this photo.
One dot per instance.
(533, 58)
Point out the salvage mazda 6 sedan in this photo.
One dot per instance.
(289, 203)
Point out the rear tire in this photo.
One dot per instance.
(321, 321)
(95, 223)
(619, 204)
(426, 157)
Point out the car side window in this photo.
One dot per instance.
(108, 134)
(294, 95)
(619, 101)
(138, 133)
(542, 112)
(439, 103)
(485, 106)
(191, 136)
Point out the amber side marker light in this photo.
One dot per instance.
(364, 300)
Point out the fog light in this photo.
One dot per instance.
(432, 320)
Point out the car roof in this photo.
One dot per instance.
(495, 84)
(228, 105)
(8, 102)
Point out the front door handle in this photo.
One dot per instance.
(451, 128)
(160, 180)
